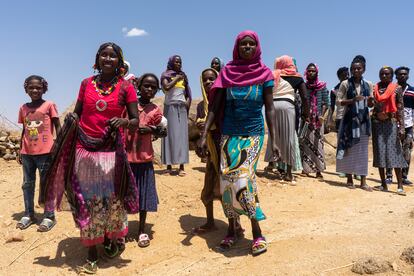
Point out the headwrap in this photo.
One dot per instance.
(387, 98)
(170, 73)
(220, 61)
(240, 72)
(285, 66)
(203, 91)
(314, 86)
(128, 75)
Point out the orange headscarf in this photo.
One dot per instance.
(387, 98)
(284, 66)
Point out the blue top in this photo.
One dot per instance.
(243, 110)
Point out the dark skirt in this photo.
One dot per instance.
(386, 145)
(145, 178)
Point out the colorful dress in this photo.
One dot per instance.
(141, 154)
(241, 142)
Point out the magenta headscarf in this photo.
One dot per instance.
(240, 72)
(316, 84)
(314, 87)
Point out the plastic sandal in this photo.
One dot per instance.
(182, 173)
(227, 242)
(259, 246)
(89, 268)
(111, 250)
(143, 240)
(401, 192)
(366, 188)
(46, 225)
(381, 189)
(25, 222)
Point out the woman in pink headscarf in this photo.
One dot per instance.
(236, 99)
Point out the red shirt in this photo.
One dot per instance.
(38, 128)
(139, 146)
(98, 109)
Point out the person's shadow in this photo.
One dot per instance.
(212, 238)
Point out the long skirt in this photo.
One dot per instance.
(386, 145)
(355, 160)
(238, 162)
(286, 137)
(145, 179)
(95, 173)
(312, 152)
(174, 147)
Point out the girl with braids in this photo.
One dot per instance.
(141, 153)
(354, 96)
(174, 147)
(388, 128)
(311, 137)
(236, 99)
(90, 161)
(38, 117)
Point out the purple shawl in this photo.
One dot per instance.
(170, 73)
(60, 176)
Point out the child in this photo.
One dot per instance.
(140, 152)
(36, 143)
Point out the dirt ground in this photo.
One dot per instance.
(313, 228)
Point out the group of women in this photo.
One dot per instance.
(91, 164)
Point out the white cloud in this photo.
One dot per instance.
(133, 32)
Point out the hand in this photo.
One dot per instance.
(371, 101)
(144, 130)
(201, 125)
(321, 120)
(275, 151)
(358, 98)
(116, 122)
(179, 77)
(202, 146)
(19, 158)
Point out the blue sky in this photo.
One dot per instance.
(59, 39)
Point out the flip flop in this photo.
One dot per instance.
(227, 242)
(111, 250)
(401, 192)
(350, 186)
(25, 222)
(143, 240)
(46, 225)
(259, 246)
(182, 173)
(381, 189)
(89, 268)
(366, 188)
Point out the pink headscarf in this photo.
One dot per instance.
(240, 72)
(284, 66)
(316, 84)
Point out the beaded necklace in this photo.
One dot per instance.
(100, 89)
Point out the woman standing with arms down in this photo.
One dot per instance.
(89, 158)
(311, 138)
(174, 147)
(237, 98)
(388, 128)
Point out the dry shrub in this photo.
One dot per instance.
(371, 266)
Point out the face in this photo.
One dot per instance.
(311, 73)
(247, 48)
(215, 64)
(402, 76)
(357, 70)
(108, 60)
(177, 63)
(148, 88)
(208, 78)
(35, 89)
(385, 75)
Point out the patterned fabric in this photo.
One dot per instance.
(317, 99)
(239, 156)
(145, 179)
(355, 160)
(386, 145)
(311, 146)
(408, 94)
(407, 149)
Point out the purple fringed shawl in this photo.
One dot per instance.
(60, 176)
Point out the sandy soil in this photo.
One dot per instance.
(311, 227)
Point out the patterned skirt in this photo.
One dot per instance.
(386, 145)
(355, 160)
(238, 162)
(95, 174)
(145, 179)
(312, 150)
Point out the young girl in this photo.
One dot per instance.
(38, 117)
(140, 151)
(91, 163)
(243, 86)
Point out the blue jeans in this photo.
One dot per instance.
(31, 163)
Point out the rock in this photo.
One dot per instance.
(3, 138)
(15, 237)
(11, 146)
(9, 156)
(371, 266)
(3, 149)
(408, 255)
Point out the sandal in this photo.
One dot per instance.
(46, 225)
(89, 268)
(350, 185)
(143, 240)
(259, 246)
(401, 192)
(167, 172)
(182, 173)
(381, 189)
(227, 242)
(111, 250)
(268, 169)
(121, 245)
(366, 188)
(25, 222)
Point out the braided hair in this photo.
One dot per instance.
(121, 66)
(36, 77)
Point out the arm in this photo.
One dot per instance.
(19, 156)
(56, 124)
(131, 123)
(325, 101)
(168, 85)
(305, 104)
(270, 116)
